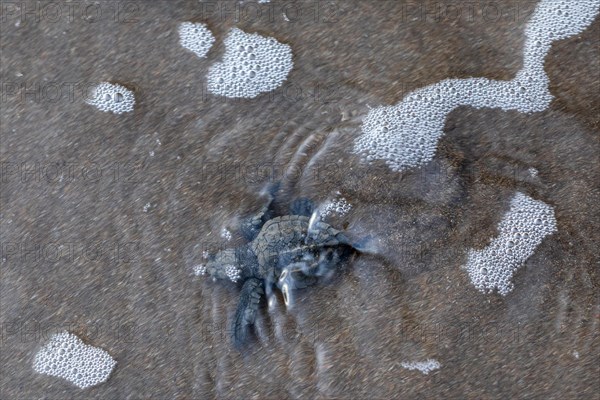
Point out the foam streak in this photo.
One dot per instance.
(406, 135)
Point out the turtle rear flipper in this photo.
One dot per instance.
(250, 227)
(302, 206)
(245, 315)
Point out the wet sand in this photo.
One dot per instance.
(104, 216)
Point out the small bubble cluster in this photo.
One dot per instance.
(533, 172)
(406, 135)
(66, 356)
(424, 366)
(252, 65)
(522, 229)
(339, 206)
(200, 270)
(226, 234)
(112, 97)
(233, 273)
(196, 37)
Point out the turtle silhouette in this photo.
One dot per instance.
(288, 252)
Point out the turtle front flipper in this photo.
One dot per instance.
(295, 277)
(302, 206)
(322, 234)
(245, 314)
(292, 277)
(252, 226)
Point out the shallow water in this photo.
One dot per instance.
(185, 165)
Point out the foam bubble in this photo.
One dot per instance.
(406, 135)
(339, 205)
(522, 229)
(199, 270)
(252, 65)
(424, 366)
(66, 356)
(233, 272)
(195, 37)
(112, 97)
(226, 234)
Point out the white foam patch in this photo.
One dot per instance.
(66, 356)
(112, 97)
(252, 65)
(406, 135)
(196, 37)
(424, 366)
(522, 229)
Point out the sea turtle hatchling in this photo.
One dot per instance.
(288, 252)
